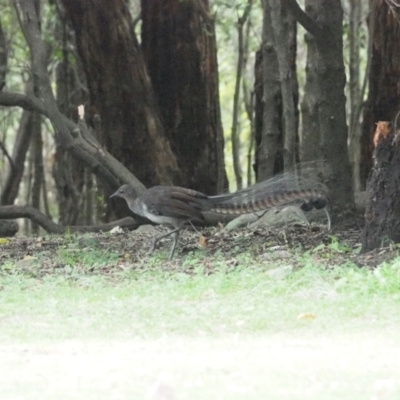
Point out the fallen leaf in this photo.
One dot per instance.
(306, 316)
(202, 241)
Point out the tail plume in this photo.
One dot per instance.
(283, 189)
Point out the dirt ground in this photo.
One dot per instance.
(134, 246)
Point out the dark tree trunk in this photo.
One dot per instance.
(179, 47)
(383, 101)
(21, 146)
(67, 171)
(355, 90)
(3, 58)
(283, 25)
(120, 89)
(324, 19)
(38, 167)
(310, 143)
(8, 228)
(382, 214)
(269, 133)
(36, 148)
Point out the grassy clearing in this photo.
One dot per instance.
(317, 333)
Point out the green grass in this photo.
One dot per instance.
(235, 333)
(151, 302)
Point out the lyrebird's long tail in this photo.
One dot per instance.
(281, 190)
(252, 200)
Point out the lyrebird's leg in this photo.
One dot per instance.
(156, 239)
(175, 233)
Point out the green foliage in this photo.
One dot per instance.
(90, 258)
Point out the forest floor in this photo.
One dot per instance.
(250, 314)
(107, 253)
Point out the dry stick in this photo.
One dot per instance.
(13, 212)
(236, 96)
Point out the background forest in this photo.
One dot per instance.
(208, 95)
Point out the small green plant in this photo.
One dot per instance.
(87, 258)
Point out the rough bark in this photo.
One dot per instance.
(382, 216)
(281, 34)
(8, 228)
(68, 172)
(268, 99)
(355, 89)
(383, 100)
(120, 89)
(36, 149)
(324, 21)
(179, 47)
(38, 167)
(269, 141)
(310, 142)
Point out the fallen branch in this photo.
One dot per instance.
(14, 212)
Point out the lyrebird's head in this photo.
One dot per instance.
(126, 192)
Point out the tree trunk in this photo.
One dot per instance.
(310, 142)
(179, 47)
(235, 128)
(355, 90)
(383, 101)
(281, 33)
(269, 141)
(68, 172)
(3, 58)
(38, 167)
(120, 89)
(21, 146)
(382, 215)
(268, 98)
(324, 19)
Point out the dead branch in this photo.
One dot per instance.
(303, 19)
(14, 212)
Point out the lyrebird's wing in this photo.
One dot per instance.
(175, 202)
